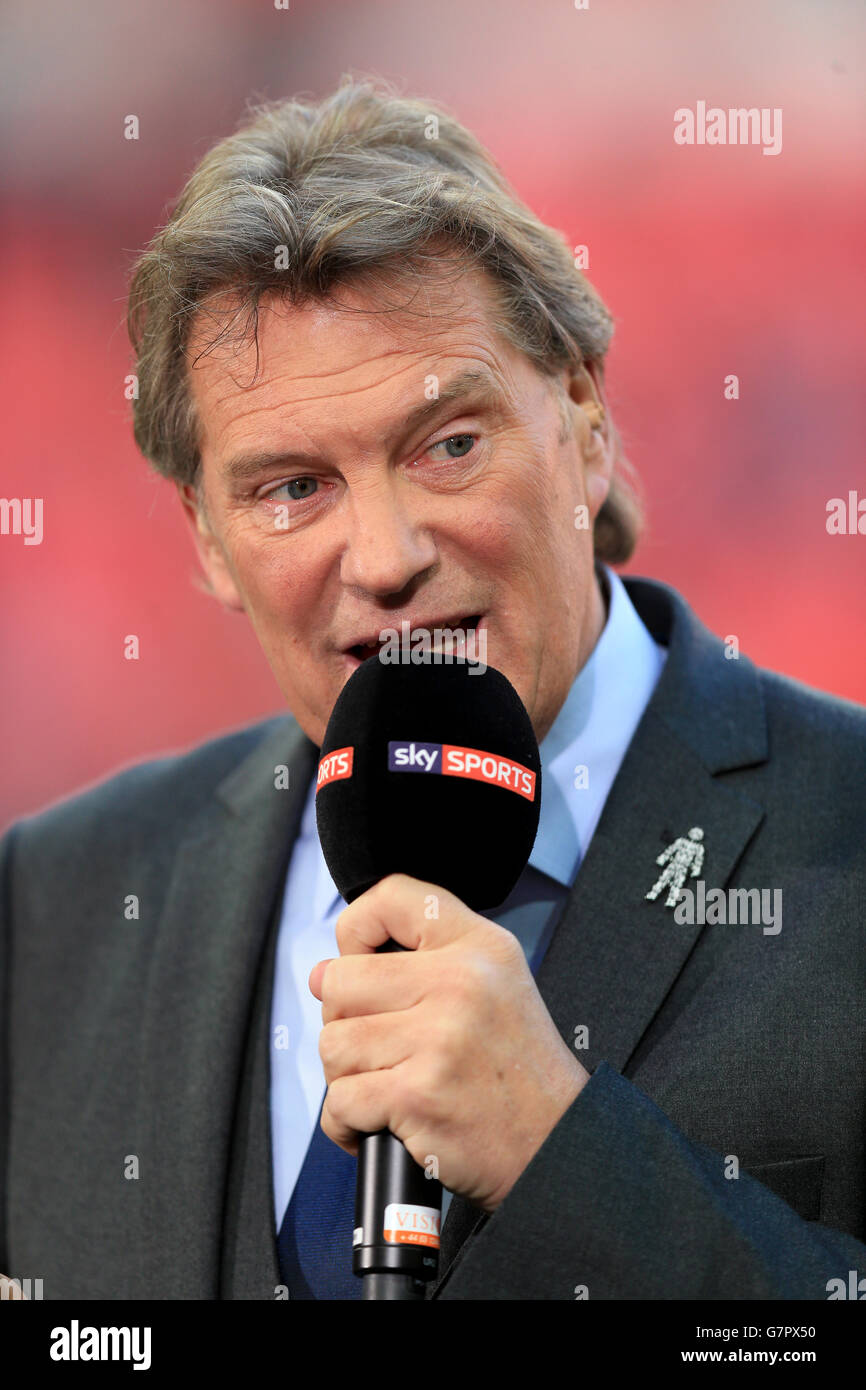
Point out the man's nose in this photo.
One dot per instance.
(387, 545)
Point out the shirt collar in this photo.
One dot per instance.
(581, 754)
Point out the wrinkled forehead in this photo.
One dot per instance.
(376, 346)
(421, 303)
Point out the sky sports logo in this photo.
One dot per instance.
(443, 758)
(335, 766)
(453, 761)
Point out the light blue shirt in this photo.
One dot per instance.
(580, 758)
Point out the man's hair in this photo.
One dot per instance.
(309, 196)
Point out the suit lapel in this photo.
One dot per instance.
(614, 955)
(206, 961)
(250, 1260)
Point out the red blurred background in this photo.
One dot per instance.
(714, 260)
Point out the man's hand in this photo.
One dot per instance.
(448, 1045)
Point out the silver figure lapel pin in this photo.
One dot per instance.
(684, 858)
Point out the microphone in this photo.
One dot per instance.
(430, 770)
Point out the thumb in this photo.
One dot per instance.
(316, 975)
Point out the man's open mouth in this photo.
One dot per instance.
(363, 650)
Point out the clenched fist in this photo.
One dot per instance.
(448, 1045)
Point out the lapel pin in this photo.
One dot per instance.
(682, 859)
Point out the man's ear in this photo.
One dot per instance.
(597, 439)
(220, 580)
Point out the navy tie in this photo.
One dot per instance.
(315, 1240)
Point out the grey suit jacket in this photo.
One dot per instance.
(135, 1153)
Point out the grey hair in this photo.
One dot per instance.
(363, 184)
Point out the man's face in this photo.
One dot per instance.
(343, 497)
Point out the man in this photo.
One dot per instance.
(377, 382)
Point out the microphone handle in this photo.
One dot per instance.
(395, 1243)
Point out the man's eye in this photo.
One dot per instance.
(461, 442)
(298, 489)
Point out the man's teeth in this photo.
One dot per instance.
(366, 649)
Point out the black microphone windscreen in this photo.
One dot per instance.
(430, 770)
